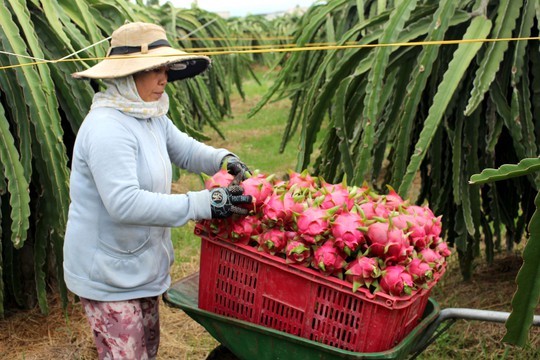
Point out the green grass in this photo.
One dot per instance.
(256, 140)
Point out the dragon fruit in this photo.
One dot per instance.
(395, 280)
(435, 228)
(312, 224)
(372, 210)
(301, 180)
(296, 252)
(328, 259)
(425, 228)
(220, 227)
(242, 230)
(419, 238)
(346, 231)
(420, 271)
(259, 187)
(381, 235)
(279, 208)
(398, 252)
(362, 271)
(272, 241)
(392, 201)
(401, 221)
(220, 179)
(442, 248)
(336, 195)
(432, 257)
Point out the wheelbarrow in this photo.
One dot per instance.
(247, 341)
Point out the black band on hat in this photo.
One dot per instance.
(123, 50)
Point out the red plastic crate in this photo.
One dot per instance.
(240, 282)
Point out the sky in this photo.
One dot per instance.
(243, 7)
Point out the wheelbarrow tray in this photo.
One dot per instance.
(250, 341)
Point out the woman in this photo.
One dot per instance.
(118, 250)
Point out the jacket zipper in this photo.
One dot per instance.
(165, 177)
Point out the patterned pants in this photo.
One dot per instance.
(127, 330)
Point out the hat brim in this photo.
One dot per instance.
(123, 65)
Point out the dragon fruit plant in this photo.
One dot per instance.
(376, 242)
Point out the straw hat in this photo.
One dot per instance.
(141, 46)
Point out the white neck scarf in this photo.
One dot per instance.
(122, 94)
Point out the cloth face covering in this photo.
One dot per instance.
(122, 94)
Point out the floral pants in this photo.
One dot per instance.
(127, 330)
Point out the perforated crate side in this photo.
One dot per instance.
(240, 282)
(336, 318)
(229, 282)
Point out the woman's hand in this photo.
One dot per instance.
(236, 168)
(224, 201)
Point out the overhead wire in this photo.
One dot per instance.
(270, 48)
(234, 37)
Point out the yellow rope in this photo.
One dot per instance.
(239, 38)
(272, 46)
(290, 49)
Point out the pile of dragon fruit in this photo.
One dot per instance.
(378, 242)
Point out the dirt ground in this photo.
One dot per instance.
(65, 335)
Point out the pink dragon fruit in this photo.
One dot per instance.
(421, 211)
(442, 248)
(346, 230)
(272, 241)
(424, 225)
(392, 201)
(259, 187)
(362, 271)
(420, 271)
(401, 221)
(416, 232)
(301, 180)
(329, 260)
(371, 210)
(436, 227)
(220, 227)
(432, 257)
(312, 224)
(336, 195)
(243, 228)
(220, 179)
(381, 237)
(280, 208)
(396, 281)
(296, 252)
(418, 236)
(398, 252)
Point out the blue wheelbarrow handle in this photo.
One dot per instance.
(453, 314)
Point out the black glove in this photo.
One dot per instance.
(224, 201)
(236, 168)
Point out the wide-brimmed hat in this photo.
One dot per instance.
(141, 46)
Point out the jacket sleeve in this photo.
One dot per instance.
(112, 159)
(190, 154)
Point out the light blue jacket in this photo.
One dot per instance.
(117, 243)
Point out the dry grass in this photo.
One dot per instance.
(31, 335)
(66, 335)
(491, 288)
